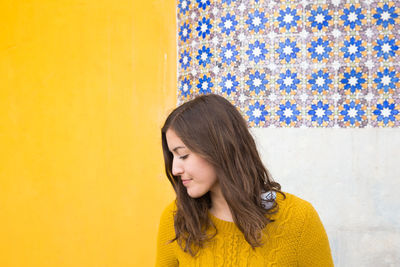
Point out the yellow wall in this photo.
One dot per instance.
(84, 88)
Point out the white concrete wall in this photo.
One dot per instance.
(352, 178)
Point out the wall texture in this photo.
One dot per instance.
(319, 83)
(351, 177)
(85, 86)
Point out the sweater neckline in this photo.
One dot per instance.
(226, 226)
(223, 226)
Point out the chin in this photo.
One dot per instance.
(195, 194)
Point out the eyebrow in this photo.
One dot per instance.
(178, 147)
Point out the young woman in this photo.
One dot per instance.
(228, 211)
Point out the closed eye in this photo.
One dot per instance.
(184, 157)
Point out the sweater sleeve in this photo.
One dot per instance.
(166, 232)
(313, 249)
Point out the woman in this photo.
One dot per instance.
(228, 211)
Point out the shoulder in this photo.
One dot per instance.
(301, 221)
(166, 230)
(291, 203)
(167, 216)
(170, 208)
(166, 255)
(294, 211)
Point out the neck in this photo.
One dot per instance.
(219, 206)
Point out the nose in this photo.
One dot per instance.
(177, 168)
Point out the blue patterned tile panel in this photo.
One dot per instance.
(322, 63)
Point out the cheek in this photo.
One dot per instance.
(208, 173)
(201, 170)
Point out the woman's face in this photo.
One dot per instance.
(196, 174)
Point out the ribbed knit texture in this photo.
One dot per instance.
(296, 238)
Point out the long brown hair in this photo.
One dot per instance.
(212, 127)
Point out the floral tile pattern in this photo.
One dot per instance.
(294, 63)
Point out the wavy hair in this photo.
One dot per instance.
(212, 127)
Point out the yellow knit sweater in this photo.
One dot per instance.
(296, 238)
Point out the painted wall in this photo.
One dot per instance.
(84, 88)
(351, 177)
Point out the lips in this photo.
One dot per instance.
(185, 182)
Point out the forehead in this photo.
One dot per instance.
(173, 140)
